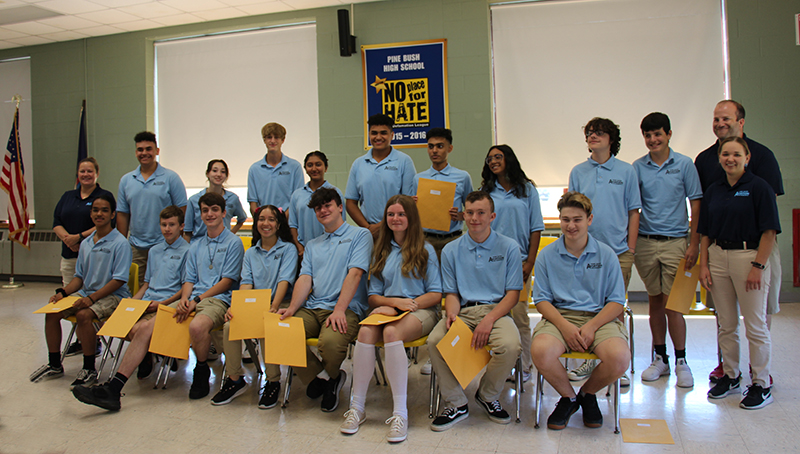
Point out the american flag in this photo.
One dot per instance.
(13, 182)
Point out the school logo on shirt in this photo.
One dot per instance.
(673, 171)
(222, 249)
(391, 167)
(349, 240)
(614, 181)
(104, 250)
(744, 193)
(284, 172)
(159, 183)
(175, 257)
(497, 258)
(594, 266)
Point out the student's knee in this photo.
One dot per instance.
(546, 348)
(391, 334)
(84, 317)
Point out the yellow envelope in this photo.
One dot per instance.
(61, 305)
(645, 431)
(434, 200)
(464, 361)
(170, 338)
(683, 294)
(380, 319)
(247, 308)
(284, 340)
(124, 317)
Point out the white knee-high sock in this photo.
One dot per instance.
(363, 368)
(397, 374)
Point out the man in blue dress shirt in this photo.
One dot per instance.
(580, 293)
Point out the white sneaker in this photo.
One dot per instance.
(352, 420)
(426, 368)
(398, 429)
(583, 371)
(624, 380)
(658, 368)
(684, 374)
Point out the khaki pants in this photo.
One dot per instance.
(332, 346)
(626, 264)
(439, 243)
(139, 257)
(519, 314)
(504, 342)
(729, 270)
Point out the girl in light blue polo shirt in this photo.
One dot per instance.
(404, 279)
(217, 175)
(271, 263)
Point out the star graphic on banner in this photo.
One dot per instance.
(379, 84)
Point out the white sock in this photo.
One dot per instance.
(397, 374)
(363, 368)
(324, 375)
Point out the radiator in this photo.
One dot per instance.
(41, 260)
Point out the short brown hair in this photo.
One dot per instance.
(474, 196)
(575, 199)
(273, 129)
(736, 139)
(172, 212)
(92, 161)
(210, 199)
(739, 107)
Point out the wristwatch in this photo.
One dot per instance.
(758, 265)
(62, 292)
(196, 299)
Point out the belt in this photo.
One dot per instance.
(736, 244)
(443, 236)
(474, 303)
(662, 237)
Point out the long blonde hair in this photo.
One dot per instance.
(415, 257)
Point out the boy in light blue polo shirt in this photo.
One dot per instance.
(666, 180)
(143, 193)
(580, 293)
(101, 272)
(162, 285)
(378, 175)
(271, 181)
(330, 296)
(481, 279)
(440, 145)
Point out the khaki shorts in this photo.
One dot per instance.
(610, 330)
(102, 308)
(657, 263)
(626, 264)
(429, 317)
(213, 308)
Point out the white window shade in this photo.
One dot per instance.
(215, 93)
(558, 64)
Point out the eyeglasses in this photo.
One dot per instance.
(597, 133)
(495, 157)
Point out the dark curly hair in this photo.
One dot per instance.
(514, 173)
(607, 126)
(283, 225)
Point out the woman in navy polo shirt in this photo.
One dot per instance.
(71, 218)
(739, 221)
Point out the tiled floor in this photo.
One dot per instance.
(44, 417)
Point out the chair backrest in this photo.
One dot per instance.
(133, 279)
(246, 241)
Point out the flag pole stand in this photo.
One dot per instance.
(11, 284)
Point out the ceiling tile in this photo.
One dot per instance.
(9, 34)
(64, 36)
(224, 13)
(120, 3)
(191, 6)
(8, 45)
(109, 16)
(70, 6)
(11, 4)
(101, 30)
(68, 22)
(265, 8)
(33, 28)
(138, 25)
(308, 4)
(31, 40)
(150, 10)
(178, 19)
(245, 2)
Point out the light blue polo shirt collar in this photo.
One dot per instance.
(591, 248)
(337, 232)
(670, 159)
(488, 244)
(608, 165)
(137, 174)
(391, 157)
(264, 162)
(446, 171)
(325, 184)
(278, 245)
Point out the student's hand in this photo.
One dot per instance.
(527, 269)
(285, 313)
(449, 319)
(691, 257)
(753, 280)
(384, 310)
(405, 304)
(587, 334)
(153, 306)
(480, 336)
(300, 250)
(55, 298)
(82, 303)
(415, 198)
(453, 213)
(229, 315)
(337, 321)
(705, 278)
(374, 229)
(573, 337)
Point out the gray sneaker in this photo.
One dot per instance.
(583, 371)
(352, 421)
(85, 378)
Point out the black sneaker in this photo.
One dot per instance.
(724, 386)
(100, 395)
(74, 348)
(756, 397)
(145, 367)
(494, 409)
(565, 408)
(230, 390)
(330, 399)
(316, 388)
(85, 377)
(46, 372)
(450, 417)
(591, 412)
(269, 395)
(200, 386)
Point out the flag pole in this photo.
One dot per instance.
(11, 284)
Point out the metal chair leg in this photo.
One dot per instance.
(616, 406)
(539, 394)
(287, 387)
(518, 385)
(629, 313)
(69, 341)
(254, 354)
